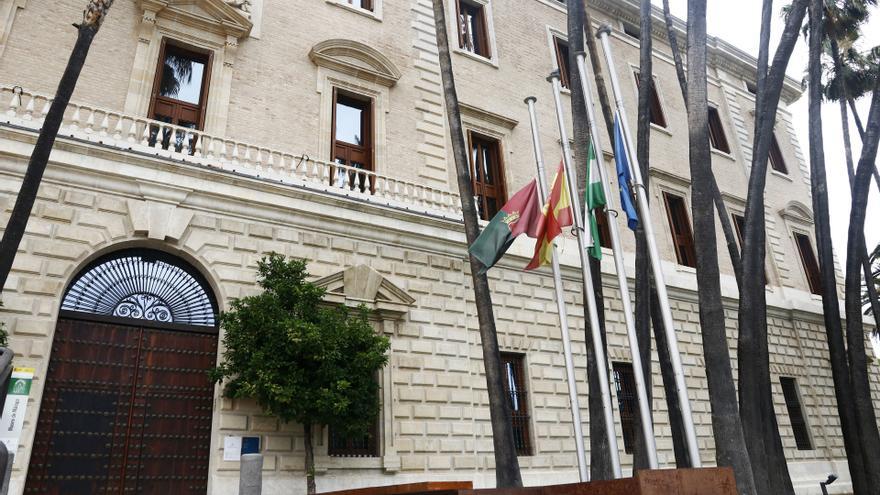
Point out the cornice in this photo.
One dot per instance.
(356, 59)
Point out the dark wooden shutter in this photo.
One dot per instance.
(625, 384)
(561, 60)
(808, 259)
(776, 159)
(487, 173)
(518, 394)
(716, 131)
(657, 117)
(682, 237)
(796, 413)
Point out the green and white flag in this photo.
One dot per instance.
(594, 199)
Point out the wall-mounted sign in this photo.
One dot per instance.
(15, 407)
(234, 447)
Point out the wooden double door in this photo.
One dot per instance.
(126, 409)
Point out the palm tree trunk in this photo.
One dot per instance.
(311, 489)
(861, 398)
(507, 472)
(93, 16)
(643, 261)
(831, 307)
(595, 62)
(730, 446)
(600, 454)
(755, 397)
(852, 105)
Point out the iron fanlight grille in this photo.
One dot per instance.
(145, 285)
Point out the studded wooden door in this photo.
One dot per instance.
(126, 409)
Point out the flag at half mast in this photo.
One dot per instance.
(594, 200)
(556, 214)
(624, 177)
(521, 215)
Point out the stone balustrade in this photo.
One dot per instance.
(190, 146)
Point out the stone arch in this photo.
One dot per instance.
(356, 59)
(795, 210)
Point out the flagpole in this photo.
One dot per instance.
(560, 304)
(589, 290)
(638, 372)
(645, 219)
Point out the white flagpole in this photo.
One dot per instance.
(560, 304)
(638, 372)
(589, 300)
(645, 220)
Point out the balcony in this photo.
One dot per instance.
(189, 147)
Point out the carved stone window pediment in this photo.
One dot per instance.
(355, 59)
(362, 284)
(215, 16)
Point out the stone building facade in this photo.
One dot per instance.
(256, 174)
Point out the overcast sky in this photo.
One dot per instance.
(738, 22)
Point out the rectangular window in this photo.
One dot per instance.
(682, 237)
(796, 413)
(561, 48)
(808, 259)
(604, 232)
(632, 30)
(473, 32)
(362, 4)
(352, 137)
(657, 117)
(776, 160)
(716, 131)
(487, 173)
(179, 92)
(365, 446)
(515, 388)
(625, 384)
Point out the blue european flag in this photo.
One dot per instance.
(623, 177)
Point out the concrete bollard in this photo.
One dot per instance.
(251, 478)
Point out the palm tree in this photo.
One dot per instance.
(730, 443)
(507, 472)
(600, 453)
(831, 308)
(755, 395)
(874, 280)
(93, 17)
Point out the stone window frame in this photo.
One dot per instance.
(8, 12)
(662, 182)
(375, 13)
(801, 404)
(798, 218)
(219, 35)
(508, 344)
(389, 304)
(552, 35)
(634, 71)
(452, 27)
(371, 76)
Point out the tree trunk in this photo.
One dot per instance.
(755, 396)
(596, 63)
(24, 203)
(867, 423)
(830, 305)
(311, 489)
(643, 282)
(507, 472)
(600, 454)
(730, 447)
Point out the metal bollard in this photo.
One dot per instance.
(251, 478)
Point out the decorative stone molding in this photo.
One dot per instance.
(355, 59)
(362, 284)
(798, 212)
(487, 116)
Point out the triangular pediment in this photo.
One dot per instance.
(361, 284)
(214, 16)
(356, 59)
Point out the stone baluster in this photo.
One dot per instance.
(29, 110)
(145, 137)
(104, 129)
(75, 120)
(132, 131)
(234, 155)
(270, 164)
(90, 122)
(117, 130)
(160, 136)
(45, 109)
(198, 150)
(14, 103)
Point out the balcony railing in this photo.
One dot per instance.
(129, 133)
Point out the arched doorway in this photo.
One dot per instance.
(127, 403)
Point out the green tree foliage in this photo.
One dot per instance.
(875, 275)
(303, 361)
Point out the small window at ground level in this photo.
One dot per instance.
(776, 160)
(682, 236)
(518, 394)
(796, 413)
(561, 48)
(625, 384)
(716, 131)
(808, 259)
(656, 109)
(487, 174)
(473, 32)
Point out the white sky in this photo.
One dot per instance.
(738, 22)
